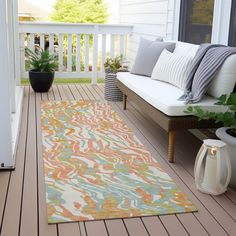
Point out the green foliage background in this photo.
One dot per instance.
(203, 12)
(80, 11)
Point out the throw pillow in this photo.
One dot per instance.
(172, 68)
(148, 54)
(207, 70)
(225, 79)
(186, 49)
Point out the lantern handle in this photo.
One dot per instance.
(198, 163)
(198, 156)
(228, 163)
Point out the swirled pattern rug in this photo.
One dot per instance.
(96, 168)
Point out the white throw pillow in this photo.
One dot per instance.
(186, 49)
(172, 68)
(225, 79)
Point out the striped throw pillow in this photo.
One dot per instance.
(172, 68)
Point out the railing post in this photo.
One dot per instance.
(95, 55)
(78, 48)
(60, 52)
(42, 41)
(121, 47)
(69, 54)
(104, 50)
(112, 46)
(32, 43)
(86, 60)
(51, 43)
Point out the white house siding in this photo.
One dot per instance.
(149, 18)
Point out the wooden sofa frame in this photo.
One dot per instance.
(168, 123)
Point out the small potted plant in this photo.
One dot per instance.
(112, 66)
(227, 133)
(42, 69)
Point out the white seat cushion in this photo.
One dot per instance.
(163, 96)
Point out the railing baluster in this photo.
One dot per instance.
(51, 43)
(69, 53)
(22, 53)
(107, 40)
(112, 46)
(32, 45)
(60, 52)
(121, 46)
(104, 50)
(95, 55)
(42, 41)
(86, 62)
(78, 48)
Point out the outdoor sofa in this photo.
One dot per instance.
(160, 101)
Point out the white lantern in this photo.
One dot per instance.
(212, 169)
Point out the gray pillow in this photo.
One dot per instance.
(148, 54)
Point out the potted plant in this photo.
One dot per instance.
(42, 69)
(227, 133)
(112, 66)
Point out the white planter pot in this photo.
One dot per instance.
(231, 143)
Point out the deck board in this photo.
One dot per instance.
(96, 228)
(22, 197)
(44, 228)
(176, 171)
(116, 227)
(29, 210)
(173, 225)
(10, 226)
(135, 227)
(153, 225)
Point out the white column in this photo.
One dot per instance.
(221, 22)
(16, 42)
(11, 49)
(6, 157)
(175, 5)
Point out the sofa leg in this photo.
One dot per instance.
(171, 146)
(124, 101)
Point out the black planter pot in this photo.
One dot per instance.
(41, 81)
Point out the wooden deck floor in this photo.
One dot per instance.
(22, 194)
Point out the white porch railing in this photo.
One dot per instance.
(81, 48)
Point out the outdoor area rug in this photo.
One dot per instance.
(96, 168)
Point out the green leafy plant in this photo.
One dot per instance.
(80, 11)
(227, 118)
(41, 60)
(113, 65)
